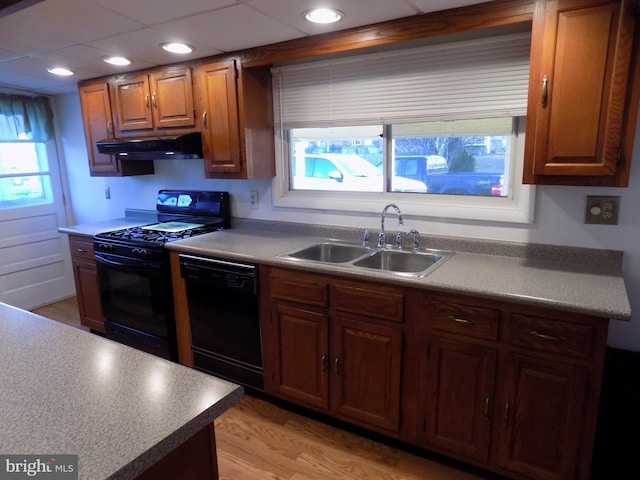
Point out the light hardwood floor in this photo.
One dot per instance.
(257, 440)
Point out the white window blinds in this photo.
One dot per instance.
(480, 78)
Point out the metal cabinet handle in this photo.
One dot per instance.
(110, 129)
(337, 365)
(146, 102)
(463, 321)
(154, 101)
(323, 363)
(507, 411)
(81, 250)
(545, 92)
(204, 120)
(543, 336)
(487, 404)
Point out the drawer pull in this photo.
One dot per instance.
(81, 250)
(463, 321)
(543, 336)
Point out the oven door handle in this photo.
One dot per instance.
(127, 263)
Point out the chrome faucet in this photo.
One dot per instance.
(382, 237)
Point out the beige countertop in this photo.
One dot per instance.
(66, 391)
(573, 287)
(563, 278)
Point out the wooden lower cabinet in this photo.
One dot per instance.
(457, 397)
(511, 388)
(541, 417)
(338, 362)
(366, 372)
(300, 368)
(85, 276)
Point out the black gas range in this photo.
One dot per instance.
(134, 272)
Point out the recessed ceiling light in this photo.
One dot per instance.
(117, 60)
(61, 71)
(323, 15)
(177, 47)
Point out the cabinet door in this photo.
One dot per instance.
(457, 397)
(366, 367)
(219, 121)
(172, 98)
(580, 61)
(541, 417)
(85, 275)
(98, 124)
(301, 369)
(133, 102)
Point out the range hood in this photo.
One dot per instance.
(184, 146)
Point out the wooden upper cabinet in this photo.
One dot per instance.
(219, 118)
(98, 124)
(97, 119)
(580, 66)
(236, 120)
(158, 100)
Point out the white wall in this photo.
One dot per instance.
(559, 210)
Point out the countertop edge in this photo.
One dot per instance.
(149, 458)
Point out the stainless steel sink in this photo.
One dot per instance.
(386, 259)
(399, 261)
(331, 252)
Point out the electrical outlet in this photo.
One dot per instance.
(254, 199)
(602, 210)
(107, 193)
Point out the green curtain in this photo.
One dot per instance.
(25, 118)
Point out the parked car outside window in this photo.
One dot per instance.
(344, 172)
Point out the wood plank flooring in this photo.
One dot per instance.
(258, 440)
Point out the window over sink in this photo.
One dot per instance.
(438, 128)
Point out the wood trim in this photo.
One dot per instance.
(464, 19)
(181, 310)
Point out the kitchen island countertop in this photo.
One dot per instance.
(66, 391)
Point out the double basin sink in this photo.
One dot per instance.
(385, 259)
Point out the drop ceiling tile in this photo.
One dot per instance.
(144, 46)
(434, 5)
(357, 12)
(161, 10)
(232, 28)
(75, 20)
(16, 37)
(25, 82)
(85, 57)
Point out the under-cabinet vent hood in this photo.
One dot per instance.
(184, 146)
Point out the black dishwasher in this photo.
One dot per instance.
(224, 313)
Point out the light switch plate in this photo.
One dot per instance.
(602, 210)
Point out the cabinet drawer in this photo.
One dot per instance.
(81, 247)
(465, 320)
(551, 335)
(369, 300)
(299, 288)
